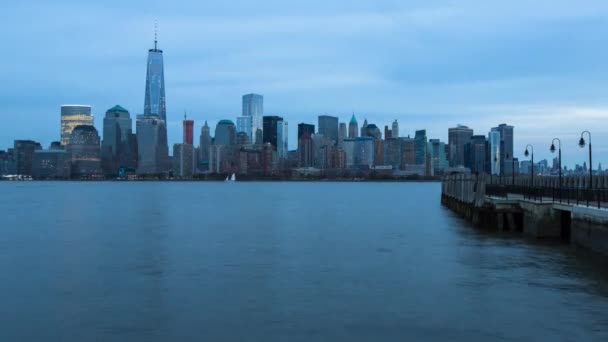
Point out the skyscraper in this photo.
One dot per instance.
(153, 148)
(494, 144)
(364, 128)
(421, 145)
(395, 130)
(270, 130)
(328, 126)
(115, 147)
(84, 150)
(24, 155)
(506, 147)
(225, 133)
(458, 137)
(282, 140)
(72, 116)
(203, 147)
(353, 128)
(342, 132)
(305, 145)
(243, 124)
(253, 106)
(188, 131)
(476, 154)
(438, 157)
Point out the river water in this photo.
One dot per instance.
(319, 261)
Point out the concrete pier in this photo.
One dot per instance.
(538, 217)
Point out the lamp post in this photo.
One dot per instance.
(559, 156)
(527, 153)
(581, 143)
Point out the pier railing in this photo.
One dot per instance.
(565, 195)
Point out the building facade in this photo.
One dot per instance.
(85, 152)
(328, 126)
(253, 106)
(72, 116)
(458, 137)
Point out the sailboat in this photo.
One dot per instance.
(231, 178)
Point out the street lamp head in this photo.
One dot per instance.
(552, 149)
(581, 142)
(526, 153)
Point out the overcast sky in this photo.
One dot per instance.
(541, 65)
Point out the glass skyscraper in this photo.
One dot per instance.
(153, 149)
(253, 106)
(72, 116)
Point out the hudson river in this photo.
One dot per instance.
(173, 261)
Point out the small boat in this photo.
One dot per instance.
(231, 178)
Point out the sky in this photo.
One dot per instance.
(541, 65)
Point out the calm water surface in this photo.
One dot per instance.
(279, 262)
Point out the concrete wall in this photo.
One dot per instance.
(541, 220)
(590, 229)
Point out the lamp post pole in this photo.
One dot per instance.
(527, 153)
(581, 143)
(559, 156)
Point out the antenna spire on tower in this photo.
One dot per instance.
(155, 34)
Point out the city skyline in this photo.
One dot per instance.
(543, 95)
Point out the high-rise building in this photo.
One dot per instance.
(349, 150)
(154, 103)
(494, 144)
(23, 155)
(342, 133)
(85, 151)
(153, 148)
(392, 152)
(204, 146)
(243, 124)
(305, 145)
(282, 140)
(72, 116)
(188, 131)
(395, 130)
(373, 131)
(437, 154)
(408, 152)
(364, 128)
(225, 133)
(270, 131)
(353, 128)
(184, 160)
(253, 106)
(387, 133)
(115, 146)
(364, 152)
(53, 163)
(458, 137)
(242, 139)
(421, 145)
(476, 154)
(328, 126)
(506, 147)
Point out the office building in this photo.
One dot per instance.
(494, 145)
(115, 146)
(506, 147)
(253, 106)
(72, 116)
(23, 156)
(53, 163)
(364, 152)
(203, 147)
(84, 150)
(184, 160)
(270, 130)
(188, 131)
(225, 133)
(476, 154)
(152, 150)
(421, 145)
(458, 137)
(244, 124)
(328, 126)
(282, 140)
(353, 128)
(305, 145)
(395, 130)
(342, 132)
(439, 160)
